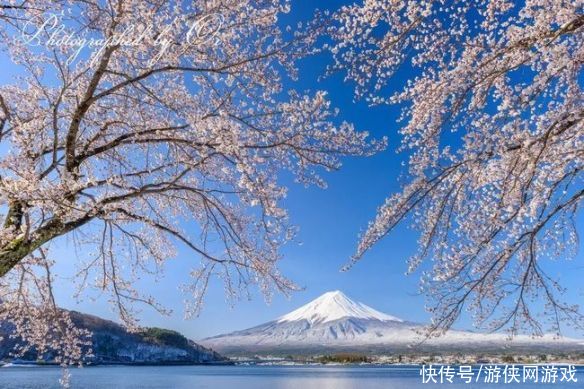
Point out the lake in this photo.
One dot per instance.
(243, 377)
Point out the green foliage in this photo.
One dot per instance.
(165, 337)
(508, 359)
(343, 358)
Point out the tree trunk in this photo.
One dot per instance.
(20, 247)
(15, 250)
(15, 214)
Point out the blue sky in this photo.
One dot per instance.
(329, 222)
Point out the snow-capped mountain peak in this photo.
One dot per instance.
(335, 323)
(333, 306)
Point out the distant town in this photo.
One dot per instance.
(412, 359)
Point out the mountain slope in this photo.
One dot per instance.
(332, 306)
(333, 322)
(112, 343)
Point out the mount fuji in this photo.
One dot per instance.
(335, 323)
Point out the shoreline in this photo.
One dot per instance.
(24, 364)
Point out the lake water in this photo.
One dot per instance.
(243, 377)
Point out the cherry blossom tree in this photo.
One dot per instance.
(131, 149)
(492, 125)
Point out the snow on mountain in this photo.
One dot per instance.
(333, 322)
(333, 306)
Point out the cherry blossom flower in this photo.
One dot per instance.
(492, 125)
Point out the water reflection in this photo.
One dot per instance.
(238, 377)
